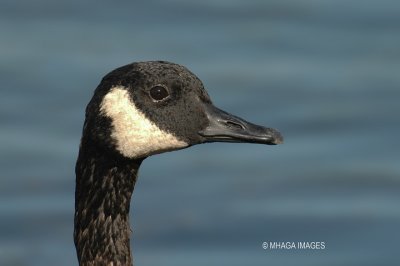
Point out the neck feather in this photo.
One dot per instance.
(104, 186)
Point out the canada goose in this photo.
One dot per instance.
(139, 110)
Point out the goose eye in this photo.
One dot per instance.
(159, 93)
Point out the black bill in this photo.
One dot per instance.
(224, 127)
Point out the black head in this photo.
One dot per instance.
(151, 107)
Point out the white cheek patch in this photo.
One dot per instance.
(135, 135)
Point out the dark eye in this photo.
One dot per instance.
(159, 93)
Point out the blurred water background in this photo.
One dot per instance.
(326, 73)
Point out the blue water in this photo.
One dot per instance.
(326, 73)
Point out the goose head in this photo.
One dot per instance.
(147, 108)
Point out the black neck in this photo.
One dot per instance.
(104, 186)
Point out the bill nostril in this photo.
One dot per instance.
(234, 125)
